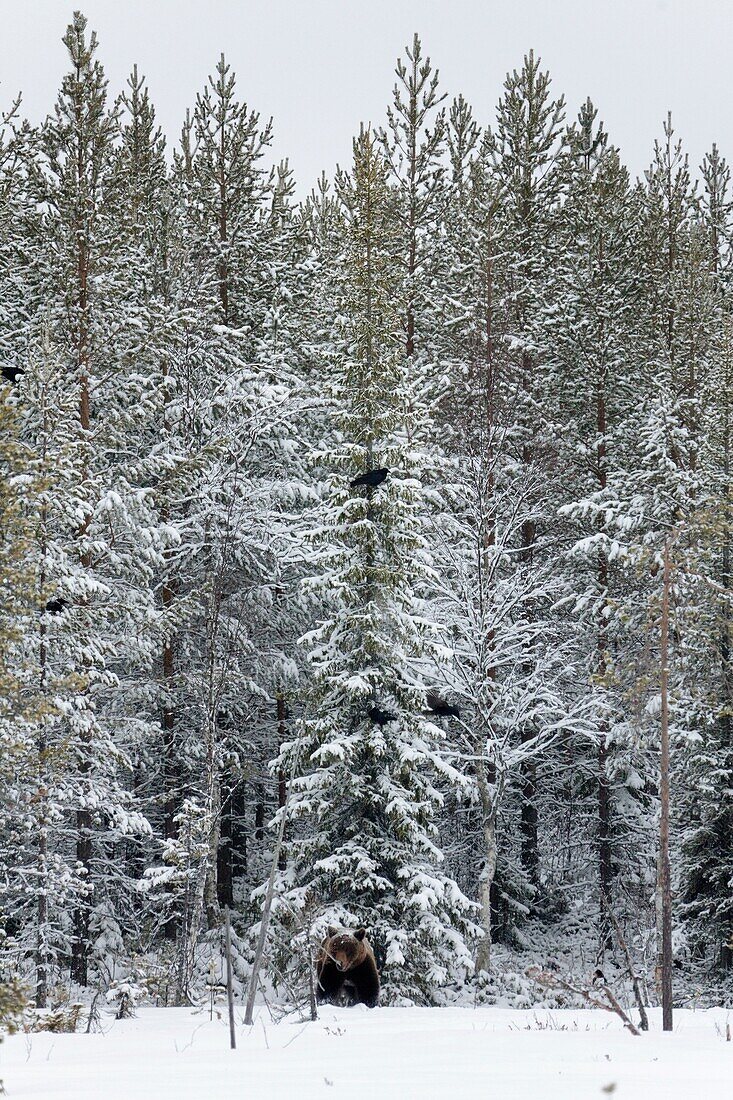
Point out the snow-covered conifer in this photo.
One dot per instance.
(524, 149)
(369, 760)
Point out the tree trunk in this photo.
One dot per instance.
(225, 853)
(267, 904)
(260, 813)
(281, 784)
(665, 888)
(43, 822)
(486, 881)
(201, 900)
(605, 865)
(726, 717)
(211, 899)
(82, 914)
(170, 766)
(42, 918)
(529, 825)
(230, 990)
(80, 946)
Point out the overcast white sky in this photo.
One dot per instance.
(320, 67)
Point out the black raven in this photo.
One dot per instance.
(371, 478)
(381, 717)
(440, 708)
(10, 374)
(56, 605)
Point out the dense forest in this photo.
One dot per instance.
(396, 521)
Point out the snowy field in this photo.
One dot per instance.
(458, 1053)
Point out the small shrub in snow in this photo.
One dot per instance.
(12, 1003)
(124, 996)
(62, 1017)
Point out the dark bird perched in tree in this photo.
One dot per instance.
(381, 717)
(56, 605)
(439, 707)
(11, 374)
(371, 478)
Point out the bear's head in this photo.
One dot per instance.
(346, 949)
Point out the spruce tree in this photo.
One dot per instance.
(365, 798)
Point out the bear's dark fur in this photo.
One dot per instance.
(346, 970)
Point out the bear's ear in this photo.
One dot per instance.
(331, 931)
(360, 934)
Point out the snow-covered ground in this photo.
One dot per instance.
(457, 1053)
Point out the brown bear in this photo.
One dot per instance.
(346, 971)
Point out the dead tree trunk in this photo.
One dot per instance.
(230, 989)
(269, 895)
(198, 899)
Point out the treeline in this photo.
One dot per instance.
(445, 674)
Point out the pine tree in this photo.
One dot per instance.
(163, 321)
(45, 881)
(525, 150)
(707, 814)
(230, 186)
(413, 146)
(506, 660)
(114, 533)
(272, 473)
(17, 586)
(593, 336)
(237, 411)
(19, 228)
